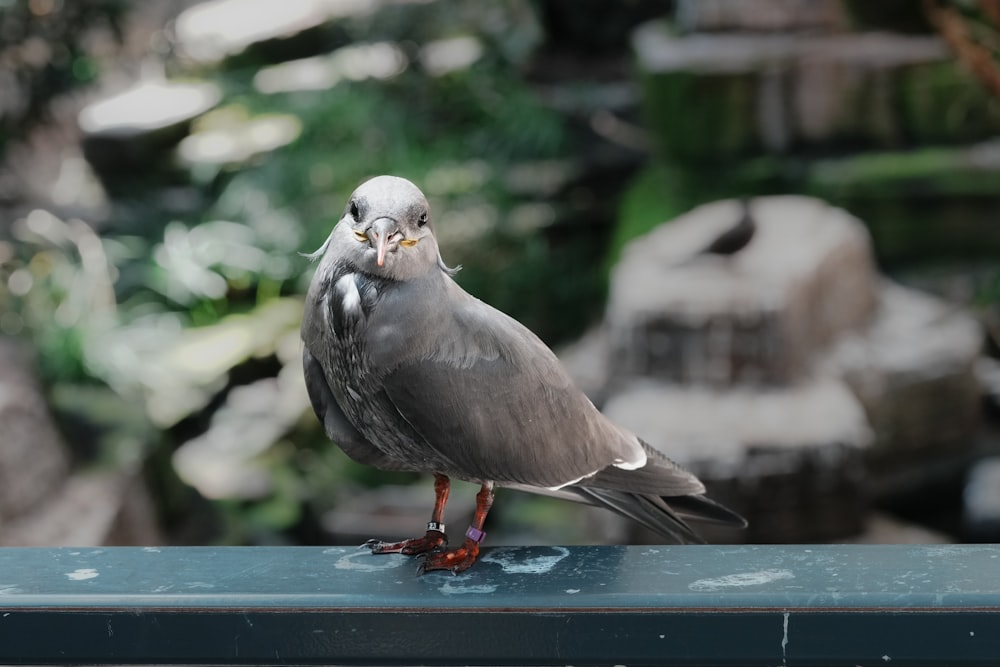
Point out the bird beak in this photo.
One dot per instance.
(380, 248)
(383, 228)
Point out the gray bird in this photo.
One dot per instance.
(407, 371)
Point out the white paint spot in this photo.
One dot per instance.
(6, 614)
(198, 584)
(972, 633)
(784, 640)
(482, 589)
(886, 658)
(162, 589)
(662, 636)
(82, 574)
(151, 550)
(511, 561)
(365, 561)
(740, 580)
(9, 590)
(571, 591)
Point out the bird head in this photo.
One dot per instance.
(386, 229)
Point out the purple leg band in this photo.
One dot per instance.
(475, 534)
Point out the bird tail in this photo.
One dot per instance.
(651, 511)
(706, 510)
(666, 515)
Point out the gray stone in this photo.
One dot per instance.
(131, 134)
(588, 360)
(90, 509)
(33, 456)
(912, 369)
(760, 316)
(981, 501)
(790, 459)
(714, 97)
(210, 32)
(760, 15)
(886, 529)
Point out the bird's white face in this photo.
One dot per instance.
(386, 230)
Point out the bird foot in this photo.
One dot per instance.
(431, 541)
(453, 560)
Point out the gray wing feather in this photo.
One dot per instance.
(493, 399)
(651, 511)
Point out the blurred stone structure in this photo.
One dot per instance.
(44, 503)
(791, 376)
(783, 375)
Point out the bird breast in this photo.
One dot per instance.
(349, 303)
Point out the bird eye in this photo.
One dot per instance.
(422, 220)
(354, 209)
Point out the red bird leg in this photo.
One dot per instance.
(460, 559)
(433, 539)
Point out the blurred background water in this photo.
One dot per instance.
(164, 163)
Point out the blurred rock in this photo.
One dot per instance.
(760, 316)
(760, 15)
(981, 501)
(262, 30)
(588, 361)
(130, 135)
(41, 502)
(912, 369)
(886, 529)
(33, 457)
(714, 97)
(785, 374)
(790, 459)
(987, 370)
(90, 509)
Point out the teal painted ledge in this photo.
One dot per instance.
(638, 605)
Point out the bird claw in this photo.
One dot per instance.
(452, 560)
(432, 541)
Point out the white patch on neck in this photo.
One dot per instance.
(350, 298)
